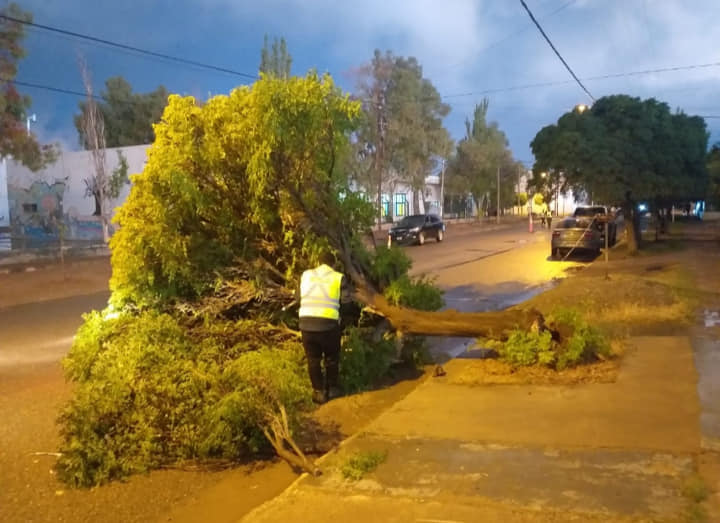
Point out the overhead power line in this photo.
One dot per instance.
(125, 47)
(587, 79)
(82, 94)
(517, 32)
(532, 17)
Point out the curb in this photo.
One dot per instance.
(39, 263)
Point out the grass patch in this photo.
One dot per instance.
(361, 463)
(695, 489)
(634, 300)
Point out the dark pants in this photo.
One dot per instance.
(322, 347)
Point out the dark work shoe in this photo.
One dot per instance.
(319, 397)
(333, 393)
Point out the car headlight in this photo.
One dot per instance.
(415, 229)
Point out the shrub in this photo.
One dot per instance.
(584, 343)
(417, 293)
(389, 264)
(364, 361)
(581, 343)
(148, 394)
(524, 348)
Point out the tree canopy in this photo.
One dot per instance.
(481, 152)
(275, 59)
(15, 140)
(401, 133)
(128, 116)
(624, 150)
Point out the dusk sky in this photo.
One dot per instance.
(466, 47)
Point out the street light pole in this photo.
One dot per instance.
(442, 189)
(31, 118)
(497, 210)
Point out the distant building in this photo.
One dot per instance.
(32, 203)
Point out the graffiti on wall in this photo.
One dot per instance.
(36, 210)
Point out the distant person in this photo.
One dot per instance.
(543, 216)
(322, 290)
(548, 217)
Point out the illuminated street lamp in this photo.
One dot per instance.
(581, 108)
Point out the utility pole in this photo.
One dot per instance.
(497, 210)
(442, 189)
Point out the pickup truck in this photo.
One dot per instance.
(600, 215)
(583, 231)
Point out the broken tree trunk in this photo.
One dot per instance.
(493, 324)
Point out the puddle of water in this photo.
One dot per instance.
(452, 347)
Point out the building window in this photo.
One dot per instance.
(385, 205)
(400, 204)
(29, 207)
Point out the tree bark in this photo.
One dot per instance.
(631, 216)
(493, 324)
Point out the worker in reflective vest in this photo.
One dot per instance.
(322, 289)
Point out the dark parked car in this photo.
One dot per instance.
(417, 229)
(575, 234)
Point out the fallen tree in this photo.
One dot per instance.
(198, 356)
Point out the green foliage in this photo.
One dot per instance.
(14, 139)
(148, 392)
(538, 199)
(581, 343)
(417, 293)
(401, 130)
(128, 117)
(713, 167)
(522, 199)
(585, 344)
(364, 361)
(624, 150)
(479, 155)
(119, 176)
(275, 60)
(362, 463)
(240, 179)
(389, 264)
(524, 348)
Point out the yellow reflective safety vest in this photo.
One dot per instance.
(320, 293)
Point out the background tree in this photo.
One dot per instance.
(371, 137)
(117, 179)
(713, 167)
(625, 150)
(128, 116)
(418, 137)
(15, 141)
(94, 131)
(479, 155)
(275, 59)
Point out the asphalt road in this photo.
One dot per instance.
(465, 244)
(465, 264)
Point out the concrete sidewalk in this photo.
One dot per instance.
(621, 451)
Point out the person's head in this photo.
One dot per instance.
(327, 258)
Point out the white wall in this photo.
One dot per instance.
(34, 198)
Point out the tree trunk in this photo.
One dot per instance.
(494, 324)
(416, 202)
(631, 228)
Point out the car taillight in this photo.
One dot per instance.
(587, 234)
(556, 234)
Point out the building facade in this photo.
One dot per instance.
(33, 204)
